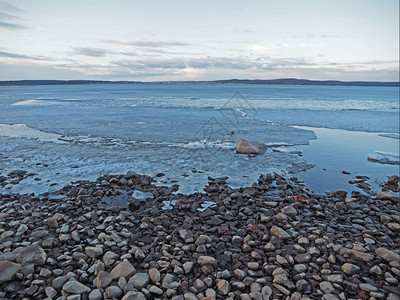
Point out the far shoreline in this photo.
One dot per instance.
(280, 81)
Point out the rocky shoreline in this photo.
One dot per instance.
(273, 240)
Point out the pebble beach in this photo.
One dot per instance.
(271, 240)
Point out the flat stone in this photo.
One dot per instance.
(154, 275)
(368, 287)
(206, 260)
(50, 292)
(134, 296)
(387, 255)
(8, 270)
(279, 232)
(103, 279)
(326, 287)
(155, 290)
(366, 257)
(187, 267)
(350, 268)
(113, 292)
(32, 254)
(289, 210)
(123, 269)
(75, 287)
(95, 295)
(93, 251)
(223, 287)
(388, 196)
(140, 280)
(302, 258)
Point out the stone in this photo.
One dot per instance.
(140, 280)
(366, 257)
(249, 147)
(95, 295)
(387, 255)
(187, 267)
(75, 287)
(326, 287)
(289, 210)
(350, 269)
(279, 232)
(134, 296)
(123, 269)
(154, 275)
(386, 195)
(32, 254)
(113, 292)
(302, 258)
(302, 285)
(50, 292)
(368, 287)
(103, 279)
(155, 290)
(93, 251)
(206, 260)
(8, 270)
(223, 287)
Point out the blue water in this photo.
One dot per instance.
(175, 129)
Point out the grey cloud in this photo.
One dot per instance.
(146, 44)
(11, 22)
(9, 7)
(93, 52)
(13, 55)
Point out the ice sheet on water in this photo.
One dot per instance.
(287, 150)
(384, 158)
(390, 135)
(205, 205)
(21, 130)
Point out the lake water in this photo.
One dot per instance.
(68, 133)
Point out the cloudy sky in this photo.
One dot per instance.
(157, 40)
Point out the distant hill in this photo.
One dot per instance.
(283, 81)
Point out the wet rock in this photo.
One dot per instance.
(249, 147)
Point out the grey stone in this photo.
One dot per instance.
(140, 280)
(223, 287)
(75, 287)
(154, 275)
(123, 269)
(95, 295)
(93, 251)
(32, 254)
(387, 255)
(113, 292)
(279, 232)
(350, 269)
(206, 260)
(8, 270)
(134, 296)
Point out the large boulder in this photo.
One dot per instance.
(249, 147)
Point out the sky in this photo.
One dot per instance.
(158, 40)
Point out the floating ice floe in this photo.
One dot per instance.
(384, 158)
(205, 205)
(142, 195)
(286, 150)
(21, 130)
(391, 135)
(168, 205)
